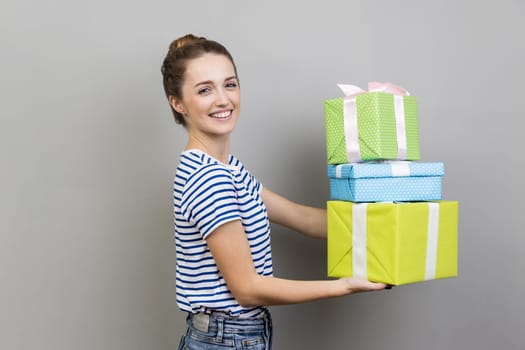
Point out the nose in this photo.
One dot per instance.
(221, 97)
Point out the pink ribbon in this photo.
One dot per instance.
(374, 86)
(353, 152)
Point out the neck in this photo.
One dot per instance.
(217, 148)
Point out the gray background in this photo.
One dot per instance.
(88, 150)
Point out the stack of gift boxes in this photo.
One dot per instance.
(387, 221)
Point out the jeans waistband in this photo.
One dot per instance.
(203, 321)
(222, 324)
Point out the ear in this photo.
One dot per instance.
(176, 104)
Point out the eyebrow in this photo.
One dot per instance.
(211, 82)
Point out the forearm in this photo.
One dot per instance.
(305, 219)
(310, 221)
(231, 251)
(264, 290)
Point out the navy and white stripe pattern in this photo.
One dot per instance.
(207, 194)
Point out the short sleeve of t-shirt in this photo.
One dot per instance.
(209, 199)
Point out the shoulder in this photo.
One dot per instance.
(197, 164)
(198, 172)
(237, 167)
(243, 175)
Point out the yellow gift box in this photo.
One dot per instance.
(393, 243)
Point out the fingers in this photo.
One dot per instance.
(363, 285)
(379, 286)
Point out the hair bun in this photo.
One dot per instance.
(184, 40)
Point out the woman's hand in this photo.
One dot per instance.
(358, 285)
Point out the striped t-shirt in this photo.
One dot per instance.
(207, 194)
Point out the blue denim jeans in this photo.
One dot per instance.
(219, 331)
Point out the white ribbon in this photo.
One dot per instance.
(350, 90)
(353, 151)
(399, 111)
(432, 241)
(400, 168)
(339, 171)
(351, 131)
(359, 248)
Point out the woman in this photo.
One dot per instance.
(222, 213)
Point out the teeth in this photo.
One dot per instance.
(221, 115)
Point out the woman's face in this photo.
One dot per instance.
(211, 96)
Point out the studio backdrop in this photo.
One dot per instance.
(88, 151)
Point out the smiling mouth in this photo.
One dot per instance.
(221, 115)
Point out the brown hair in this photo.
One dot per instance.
(173, 68)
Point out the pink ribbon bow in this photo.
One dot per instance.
(374, 86)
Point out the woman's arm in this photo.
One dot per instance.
(230, 249)
(307, 220)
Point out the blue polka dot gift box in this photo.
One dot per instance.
(399, 181)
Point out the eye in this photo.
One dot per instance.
(231, 85)
(203, 91)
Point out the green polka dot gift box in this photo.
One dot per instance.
(398, 181)
(381, 124)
